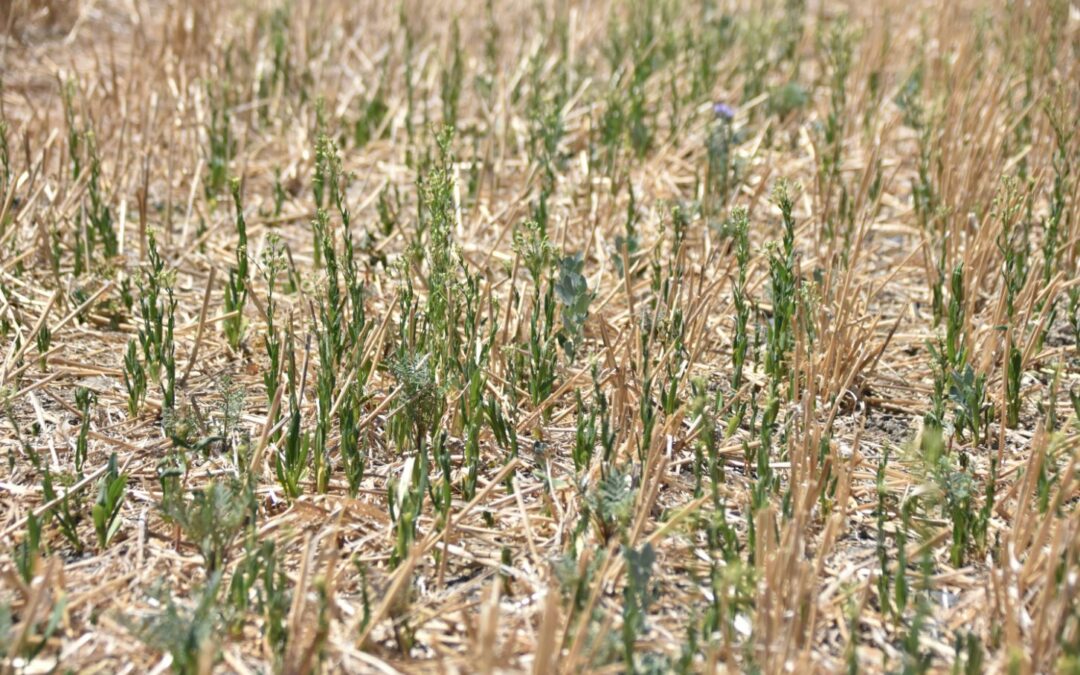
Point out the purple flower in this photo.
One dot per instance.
(723, 111)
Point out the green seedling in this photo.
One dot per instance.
(43, 340)
(5, 163)
(67, 509)
(188, 635)
(703, 416)
(273, 262)
(972, 412)
(221, 146)
(1013, 242)
(99, 214)
(158, 321)
(236, 288)
(1064, 127)
(955, 333)
(84, 398)
(68, 90)
(27, 551)
(405, 501)
(452, 78)
(738, 226)
(291, 460)
(353, 454)
(585, 437)
(259, 584)
(884, 577)
(33, 634)
(780, 334)
(106, 510)
(1014, 372)
(1074, 315)
(838, 46)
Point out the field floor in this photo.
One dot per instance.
(540, 336)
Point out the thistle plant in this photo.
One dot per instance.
(610, 503)
(638, 595)
(212, 518)
(720, 171)
(573, 293)
(422, 399)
